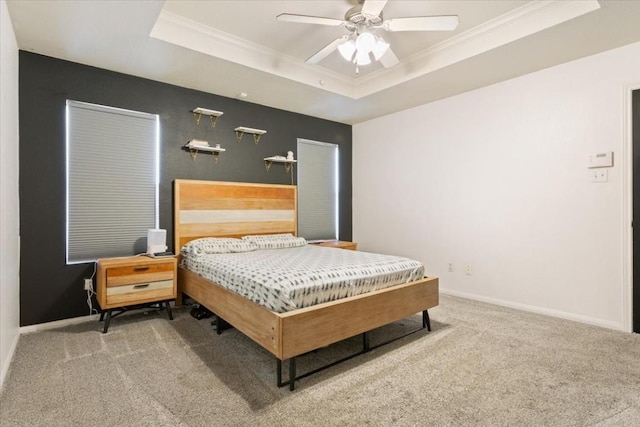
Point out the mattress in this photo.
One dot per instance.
(291, 278)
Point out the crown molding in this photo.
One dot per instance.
(181, 31)
(526, 20)
(516, 24)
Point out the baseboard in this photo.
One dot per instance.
(65, 322)
(58, 323)
(538, 310)
(7, 364)
(37, 328)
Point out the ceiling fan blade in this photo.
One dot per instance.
(373, 7)
(325, 51)
(304, 19)
(389, 59)
(422, 23)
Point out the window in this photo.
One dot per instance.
(112, 180)
(318, 184)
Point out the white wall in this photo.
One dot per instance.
(497, 179)
(9, 219)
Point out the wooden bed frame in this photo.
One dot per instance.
(230, 209)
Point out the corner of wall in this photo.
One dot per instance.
(9, 222)
(7, 363)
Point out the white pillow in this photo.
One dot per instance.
(281, 244)
(217, 245)
(269, 237)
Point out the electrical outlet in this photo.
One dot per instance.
(450, 267)
(88, 285)
(599, 175)
(467, 270)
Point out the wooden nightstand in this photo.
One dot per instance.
(338, 244)
(131, 281)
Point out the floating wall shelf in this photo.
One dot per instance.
(195, 148)
(213, 115)
(268, 161)
(257, 133)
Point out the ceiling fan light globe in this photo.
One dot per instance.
(347, 49)
(380, 48)
(362, 58)
(365, 42)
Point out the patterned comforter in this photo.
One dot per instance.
(287, 279)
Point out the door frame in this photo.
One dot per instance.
(627, 207)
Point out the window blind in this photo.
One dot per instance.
(112, 180)
(317, 190)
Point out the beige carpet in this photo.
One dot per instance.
(481, 365)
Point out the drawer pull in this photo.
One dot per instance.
(141, 268)
(141, 286)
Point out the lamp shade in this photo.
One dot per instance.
(380, 48)
(362, 58)
(347, 49)
(365, 42)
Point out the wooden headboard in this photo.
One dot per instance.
(231, 209)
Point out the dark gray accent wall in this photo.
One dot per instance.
(51, 290)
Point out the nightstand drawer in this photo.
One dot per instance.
(132, 274)
(140, 292)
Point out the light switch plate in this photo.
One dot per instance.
(601, 160)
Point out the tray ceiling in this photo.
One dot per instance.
(233, 47)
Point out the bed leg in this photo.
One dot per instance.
(220, 324)
(292, 373)
(279, 372)
(365, 342)
(106, 322)
(426, 322)
(168, 310)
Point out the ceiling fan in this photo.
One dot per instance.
(362, 21)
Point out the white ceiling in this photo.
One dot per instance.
(229, 47)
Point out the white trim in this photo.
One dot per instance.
(514, 25)
(58, 324)
(65, 322)
(538, 310)
(181, 31)
(157, 167)
(7, 364)
(627, 206)
(37, 328)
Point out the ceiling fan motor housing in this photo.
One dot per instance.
(356, 19)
